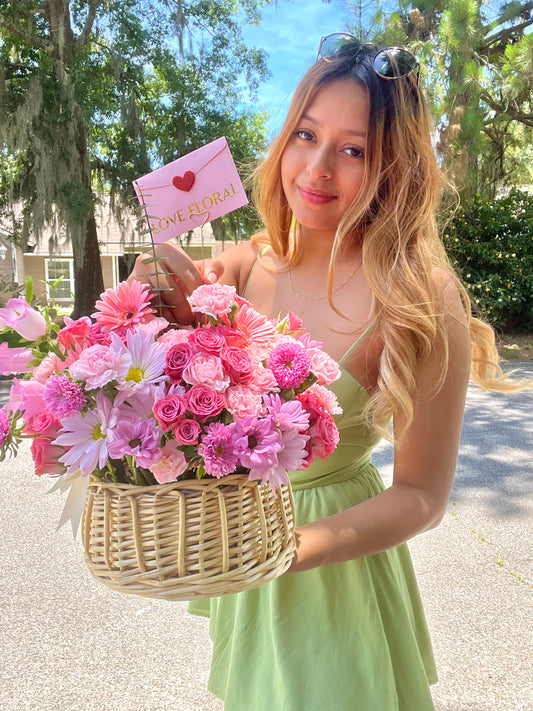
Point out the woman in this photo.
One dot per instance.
(348, 195)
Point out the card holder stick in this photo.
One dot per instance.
(154, 259)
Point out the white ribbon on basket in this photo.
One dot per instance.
(76, 485)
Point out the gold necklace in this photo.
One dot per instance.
(321, 298)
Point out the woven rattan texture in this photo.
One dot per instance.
(190, 539)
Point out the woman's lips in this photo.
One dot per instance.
(315, 197)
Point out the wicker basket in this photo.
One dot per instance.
(190, 539)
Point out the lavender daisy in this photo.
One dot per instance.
(86, 437)
(137, 438)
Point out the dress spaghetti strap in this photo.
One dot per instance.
(256, 260)
(357, 342)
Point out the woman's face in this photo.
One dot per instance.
(322, 165)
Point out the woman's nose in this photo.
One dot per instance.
(319, 165)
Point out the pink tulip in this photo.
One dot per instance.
(19, 316)
(14, 360)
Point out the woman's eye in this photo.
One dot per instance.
(304, 134)
(353, 151)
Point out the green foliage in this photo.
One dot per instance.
(491, 244)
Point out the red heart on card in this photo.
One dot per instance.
(199, 218)
(184, 183)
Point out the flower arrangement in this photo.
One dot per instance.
(125, 398)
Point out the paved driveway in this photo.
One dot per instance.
(69, 643)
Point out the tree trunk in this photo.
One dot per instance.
(88, 279)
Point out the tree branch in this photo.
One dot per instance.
(502, 19)
(30, 39)
(512, 114)
(91, 15)
(505, 34)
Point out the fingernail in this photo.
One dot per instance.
(212, 277)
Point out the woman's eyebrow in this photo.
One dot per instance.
(361, 134)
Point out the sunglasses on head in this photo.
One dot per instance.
(389, 63)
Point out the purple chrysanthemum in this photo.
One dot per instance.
(289, 363)
(217, 450)
(5, 427)
(63, 397)
(138, 438)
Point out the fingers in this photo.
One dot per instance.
(172, 276)
(211, 269)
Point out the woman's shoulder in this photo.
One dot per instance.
(238, 260)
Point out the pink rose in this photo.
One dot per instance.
(324, 436)
(210, 340)
(177, 360)
(171, 464)
(47, 367)
(74, 333)
(45, 457)
(204, 402)
(187, 431)
(323, 366)
(206, 369)
(242, 400)
(237, 365)
(19, 316)
(168, 410)
(27, 396)
(44, 424)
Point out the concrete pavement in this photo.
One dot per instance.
(67, 643)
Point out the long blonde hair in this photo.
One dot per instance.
(394, 217)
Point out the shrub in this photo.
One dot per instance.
(490, 243)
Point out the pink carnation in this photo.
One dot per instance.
(99, 365)
(325, 399)
(242, 400)
(323, 366)
(214, 300)
(171, 465)
(174, 336)
(206, 369)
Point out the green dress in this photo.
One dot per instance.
(344, 637)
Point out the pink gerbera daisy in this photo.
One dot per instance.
(125, 306)
(256, 328)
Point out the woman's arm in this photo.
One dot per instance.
(179, 276)
(424, 463)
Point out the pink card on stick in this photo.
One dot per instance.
(191, 191)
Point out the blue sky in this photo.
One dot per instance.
(290, 33)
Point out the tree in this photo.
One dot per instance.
(95, 93)
(477, 69)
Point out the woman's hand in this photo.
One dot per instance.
(173, 276)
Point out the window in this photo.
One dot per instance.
(60, 269)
